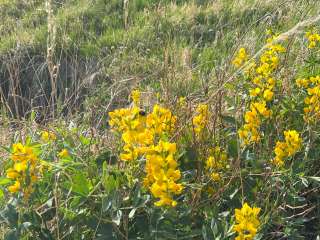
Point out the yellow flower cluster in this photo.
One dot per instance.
(135, 95)
(247, 222)
(161, 121)
(216, 162)
(25, 171)
(64, 153)
(145, 135)
(313, 39)
(131, 124)
(241, 58)
(262, 92)
(48, 136)
(288, 148)
(200, 121)
(250, 133)
(162, 173)
(312, 102)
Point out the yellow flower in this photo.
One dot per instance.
(268, 95)
(47, 136)
(254, 92)
(200, 121)
(247, 222)
(293, 142)
(249, 133)
(161, 121)
(12, 174)
(15, 187)
(144, 136)
(20, 166)
(262, 90)
(162, 173)
(64, 153)
(135, 95)
(312, 101)
(288, 148)
(241, 58)
(215, 177)
(302, 82)
(313, 38)
(26, 166)
(216, 162)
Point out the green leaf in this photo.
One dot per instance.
(6, 149)
(110, 182)
(317, 179)
(84, 140)
(231, 196)
(80, 184)
(4, 181)
(32, 116)
(1, 194)
(304, 181)
(132, 212)
(117, 219)
(214, 227)
(233, 148)
(204, 233)
(28, 140)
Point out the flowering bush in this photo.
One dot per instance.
(179, 168)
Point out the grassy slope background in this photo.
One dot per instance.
(177, 48)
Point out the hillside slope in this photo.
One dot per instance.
(182, 46)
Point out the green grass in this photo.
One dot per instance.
(162, 37)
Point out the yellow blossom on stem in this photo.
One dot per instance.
(144, 136)
(250, 132)
(64, 153)
(15, 187)
(216, 163)
(162, 173)
(241, 58)
(247, 222)
(313, 39)
(312, 101)
(48, 136)
(200, 121)
(261, 92)
(161, 121)
(135, 95)
(25, 170)
(288, 148)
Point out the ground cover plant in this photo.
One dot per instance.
(160, 120)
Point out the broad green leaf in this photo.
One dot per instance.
(233, 148)
(80, 184)
(4, 181)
